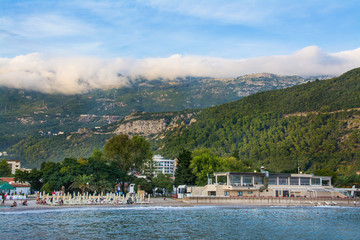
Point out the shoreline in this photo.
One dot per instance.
(155, 202)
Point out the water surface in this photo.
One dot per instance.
(206, 222)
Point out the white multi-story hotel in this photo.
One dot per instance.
(162, 165)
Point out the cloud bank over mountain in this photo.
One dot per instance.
(73, 75)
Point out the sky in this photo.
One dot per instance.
(78, 45)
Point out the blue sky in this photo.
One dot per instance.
(201, 31)
(138, 29)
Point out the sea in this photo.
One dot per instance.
(199, 222)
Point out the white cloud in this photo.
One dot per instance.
(80, 74)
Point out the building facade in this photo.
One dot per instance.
(13, 164)
(164, 166)
(238, 184)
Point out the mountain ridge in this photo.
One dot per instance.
(188, 135)
(262, 130)
(24, 113)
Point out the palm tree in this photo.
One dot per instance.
(82, 182)
(102, 186)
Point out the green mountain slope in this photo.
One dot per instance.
(28, 113)
(315, 125)
(259, 128)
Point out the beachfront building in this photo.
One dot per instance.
(264, 184)
(232, 184)
(300, 185)
(162, 165)
(18, 188)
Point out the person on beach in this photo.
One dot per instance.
(25, 203)
(14, 204)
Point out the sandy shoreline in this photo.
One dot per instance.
(155, 202)
(33, 206)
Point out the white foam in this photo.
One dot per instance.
(103, 208)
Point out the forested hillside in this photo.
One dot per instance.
(36, 149)
(25, 113)
(315, 125)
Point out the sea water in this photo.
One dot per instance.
(204, 222)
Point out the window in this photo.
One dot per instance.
(247, 180)
(227, 193)
(272, 181)
(239, 193)
(259, 180)
(294, 181)
(235, 179)
(304, 181)
(250, 192)
(315, 181)
(326, 182)
(283, 181)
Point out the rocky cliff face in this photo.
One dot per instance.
(142, 127)
(154, 124)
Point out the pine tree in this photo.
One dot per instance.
(183, 174)
(5, 170)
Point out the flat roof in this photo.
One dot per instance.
(238, 173)
(270, 174)
(12, 160)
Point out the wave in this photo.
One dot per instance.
(102, 208)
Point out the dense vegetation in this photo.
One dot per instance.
(121, 159)
(261, 129)
(313, 126)
(5, 170)
(36, 149)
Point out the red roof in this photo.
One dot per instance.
(19, 185)
(7, 179)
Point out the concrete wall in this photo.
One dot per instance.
(269, 201)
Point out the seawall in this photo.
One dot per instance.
(270, 201)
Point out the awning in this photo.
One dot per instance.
(6, 186)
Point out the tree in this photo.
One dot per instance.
(97, 154)
(326, 172)
(144, 184)
(82, 182)
(49, 187)
(205, 162)
(183, 174)
(129, 155)
(236, 154)
(163, 182)
(5, 170)
(102, 186)
(33, 178)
